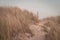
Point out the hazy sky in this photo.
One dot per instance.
(45, 8)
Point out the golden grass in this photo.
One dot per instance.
(15, 25)
(54, 25)
(15, 22)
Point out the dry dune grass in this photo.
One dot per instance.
(54, 28)
(17, 24)
(54, 33)
(47, 29)
(14, 22)
(55, 19)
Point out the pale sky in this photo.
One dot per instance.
(45, 8)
